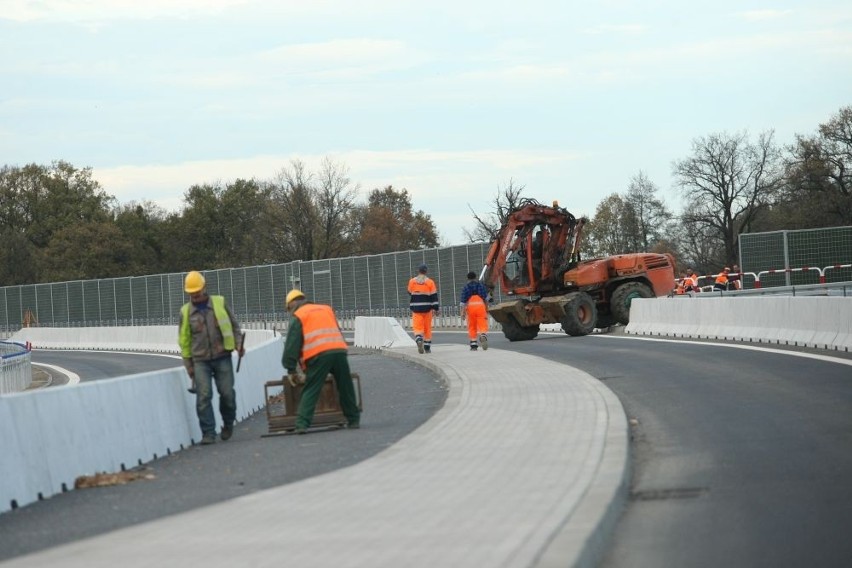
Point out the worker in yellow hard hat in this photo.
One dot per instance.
(314, 341)
(208, 333)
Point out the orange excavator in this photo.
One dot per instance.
(535, 259)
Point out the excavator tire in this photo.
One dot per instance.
(624, 295)
(516, 332)
(581, 313)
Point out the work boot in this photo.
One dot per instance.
(473, 347)
(420, 347)
(483, 340)
(208, 439)
(427, 348)
(227, 432)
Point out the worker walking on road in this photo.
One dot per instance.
(423, 302)
(314, 340)
(207, 334)
(472, 304)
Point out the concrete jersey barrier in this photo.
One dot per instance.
(815, 321)
(49, 437)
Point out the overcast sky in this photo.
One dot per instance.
(448, 99)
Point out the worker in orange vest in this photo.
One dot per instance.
(314, 341)
(680, 284)
(722, 279)
(423, 303)
(690, 281)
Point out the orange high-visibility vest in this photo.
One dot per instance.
(319, 330)
(424, 295)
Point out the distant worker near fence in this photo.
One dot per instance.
(315, 343)
(207, 334)
(472, 306)
(735, 278)
(423, 303)
(722, 279)
(690, 282)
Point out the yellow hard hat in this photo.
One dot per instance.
(194, 282)
(293, 295)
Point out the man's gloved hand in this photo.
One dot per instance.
(190, 370)
(294, 378)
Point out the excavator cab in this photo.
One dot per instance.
(533, 250)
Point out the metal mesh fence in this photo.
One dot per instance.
(363, 285)
(816, 248)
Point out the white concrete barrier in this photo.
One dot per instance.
(814, 321)
(49, 437)
(156, 338)
(381, 332)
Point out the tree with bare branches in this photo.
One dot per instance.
(336, 208)
(295, 212)
(487, 225)
(727, 182)
(649, 220)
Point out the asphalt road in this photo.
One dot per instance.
(92, 365)
(740, 457)
(397, 397)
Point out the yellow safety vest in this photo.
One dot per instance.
(222, 319)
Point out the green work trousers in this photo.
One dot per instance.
(318, 368)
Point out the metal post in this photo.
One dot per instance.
(271, 288)
(340, 280)
(369, 288)
(786, 258)
(396, 273)
(384, 291)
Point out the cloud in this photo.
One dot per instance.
(90, 12)
(442, 184)
(103, 10)
(612, 29)
(163, 181)
(762, 15)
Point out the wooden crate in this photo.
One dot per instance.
(282, 402)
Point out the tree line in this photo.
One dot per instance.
(57, 223)
(730, 184)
